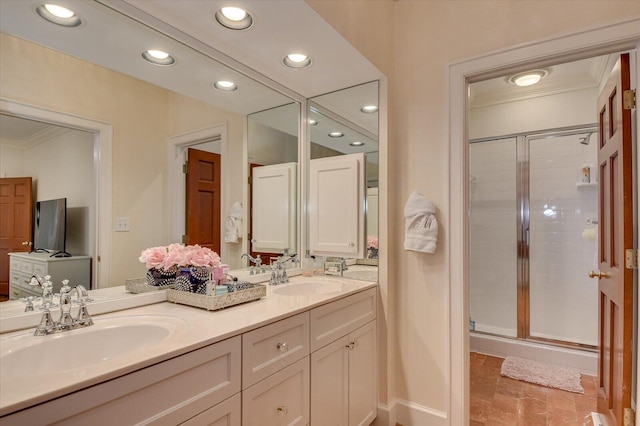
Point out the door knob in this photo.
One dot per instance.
(26, 243)
(598, 274)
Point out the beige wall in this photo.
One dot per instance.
(143, 116)
(428, 36)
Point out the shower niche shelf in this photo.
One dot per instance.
(580, 185)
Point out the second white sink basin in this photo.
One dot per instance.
(28, 355)
(310, 288)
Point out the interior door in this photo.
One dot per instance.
(16, 201)
(615, 282)
(203, 199)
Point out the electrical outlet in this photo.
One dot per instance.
(122, 224)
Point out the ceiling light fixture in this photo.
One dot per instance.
(225, 86)
(234, 18)
(158, 57)
(369, 109)
(356, 143)
(297, 60)
(58, 15)
(336, 134)
(528, 78)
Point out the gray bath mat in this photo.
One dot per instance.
(542, 374)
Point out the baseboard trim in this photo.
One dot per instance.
(407, 413)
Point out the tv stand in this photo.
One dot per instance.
(61, 254)
(76, 269)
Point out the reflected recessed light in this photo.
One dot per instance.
(234, 18)
(528, 78)
(58, 15)
(158, 57)
(312, 122)
(369, 109)
(336, 134)
(297, 60)
(225, 86)
(356, 143)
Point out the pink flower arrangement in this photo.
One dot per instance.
(372, 242)
(178, 255)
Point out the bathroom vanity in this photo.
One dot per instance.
(305, 354)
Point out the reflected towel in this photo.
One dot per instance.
(420, 225)
(233, 224)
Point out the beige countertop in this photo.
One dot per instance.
(194, 328)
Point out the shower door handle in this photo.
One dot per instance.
(598, 274)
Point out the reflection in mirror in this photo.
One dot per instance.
(146, 108)
(342, 123)
(273, 187)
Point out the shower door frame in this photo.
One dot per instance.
(523, 329)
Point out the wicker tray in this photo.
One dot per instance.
(140, 285)
(212, 303)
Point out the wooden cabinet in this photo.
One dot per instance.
(76, 269)
(227, 413)
(344, 372)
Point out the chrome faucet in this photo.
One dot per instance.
(259, 268)
(335, 266)
(66, 322)
(279, 272)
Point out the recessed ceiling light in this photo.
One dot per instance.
(58, 15)
(369, 109)
(225, 86)
(336, 134)
(297, 60)
(312, 122)
(528, 78)
(158, 57)
(234, 18)
(356, 143)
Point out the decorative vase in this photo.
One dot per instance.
(372, 253)
(161, 277)
(193, 279)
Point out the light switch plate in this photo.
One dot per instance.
(122, 224)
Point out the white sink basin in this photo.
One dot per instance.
(107, 339)
(310, 288)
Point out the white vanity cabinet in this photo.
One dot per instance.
(76, 269)
(344, 372)
(178, 390)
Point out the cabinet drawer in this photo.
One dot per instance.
(167, 393)
(334, 320)
(15, 264)
(227, 413)
(273, 347)
(39, 268)
(26, 267)
(281, 399)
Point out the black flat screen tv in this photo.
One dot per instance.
(50, 227)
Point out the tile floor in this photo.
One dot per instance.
(497, 400)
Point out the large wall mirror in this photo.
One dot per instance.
(344, 124)
(159, 114)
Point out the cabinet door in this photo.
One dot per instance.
(227, 413)
(280, 399)
(363, 375)
(330, 384)
(336, 205)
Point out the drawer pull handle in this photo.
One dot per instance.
(351, 346)
(282, 410)
(283, 347)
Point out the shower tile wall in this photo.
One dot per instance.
(563, 299)
(492, 237)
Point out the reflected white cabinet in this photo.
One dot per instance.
(274, 208)
(337, 197)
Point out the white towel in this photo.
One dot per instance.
(420, 224)
(233, 224)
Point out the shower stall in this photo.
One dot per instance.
(533, 206)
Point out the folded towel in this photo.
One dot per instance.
(420, 225)
(233, 224)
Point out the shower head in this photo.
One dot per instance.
(585, 140)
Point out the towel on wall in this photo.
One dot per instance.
(233, 224)
(420, 224)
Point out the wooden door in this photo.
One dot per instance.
(615, 282)
(16, 203)
(203, 199)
